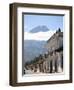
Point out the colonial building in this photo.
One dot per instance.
(55, 46)
(52, 61)
(56, 41)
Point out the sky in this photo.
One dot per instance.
(52, 22)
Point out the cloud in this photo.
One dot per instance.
(39, 36)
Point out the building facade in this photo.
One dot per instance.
(51, 61)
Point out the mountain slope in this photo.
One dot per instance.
(33, 48)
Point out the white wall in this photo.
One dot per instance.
(4, 46)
